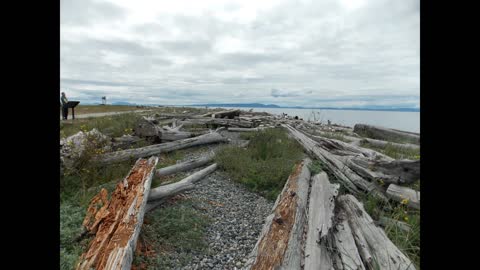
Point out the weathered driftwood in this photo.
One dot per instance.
(155, 149)
(230, 114)
(118, 222)
(350, 180)
(345, 249)
(180, 186)
(399, 194)
(340, 148)
(280, 242)
(376, 250)
(320, 216)
(387, 134)
(383, 144)
(185, 166)
(396, 171)
(149, 128)
(217, 122)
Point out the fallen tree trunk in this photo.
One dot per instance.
(118, 222)
(156, 149)
(280, 241)
(385, 221)
(375, 248)
(185, 184)
(149, 128)
(386, 134)
(230, 114)
(350, 180)
(399, 194)
(185, 166)
(320, 215)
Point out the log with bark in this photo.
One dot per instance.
(118, 156)
(230, 114)
(280, 242)
(387, 134)
(117, 223)
(185, 166)
(320, 220)
(399, 194)
(375, 248)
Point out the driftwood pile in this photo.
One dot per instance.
(311, 226)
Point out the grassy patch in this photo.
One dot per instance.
(113, 126)
(316, 167)
(266, 163)
(393, 151)
(175, 228)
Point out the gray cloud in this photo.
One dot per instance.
(289, 53)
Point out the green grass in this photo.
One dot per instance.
(393, 151)
(83, 109)
(113, 126)
(264, 166)
(175, 228)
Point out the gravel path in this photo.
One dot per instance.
(237, 218)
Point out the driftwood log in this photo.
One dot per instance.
(118, 222)
(217, 122)
(234, 129)
(187, 183)
(147, 127)
(399, 194)
(320, 221)
(396, 171)
(386, 134)
(156, 149)
(375, 248)
(185, 166)
(230, 114)
(280, 242)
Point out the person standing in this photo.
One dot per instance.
(64, 101)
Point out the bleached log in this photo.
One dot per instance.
(185, 166)
(344, 245)
(320, 215)
(230, 114)
(218, 122)
(156, 149)
(280, 242)
(117, 223)
(387, 134)
(376, 249)
(180, 186)
(350, 180)
(399, 193)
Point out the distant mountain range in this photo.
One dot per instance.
(259, 105)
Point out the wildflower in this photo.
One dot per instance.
(404, 201)
(405, 218)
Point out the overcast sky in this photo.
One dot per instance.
(341, 53)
